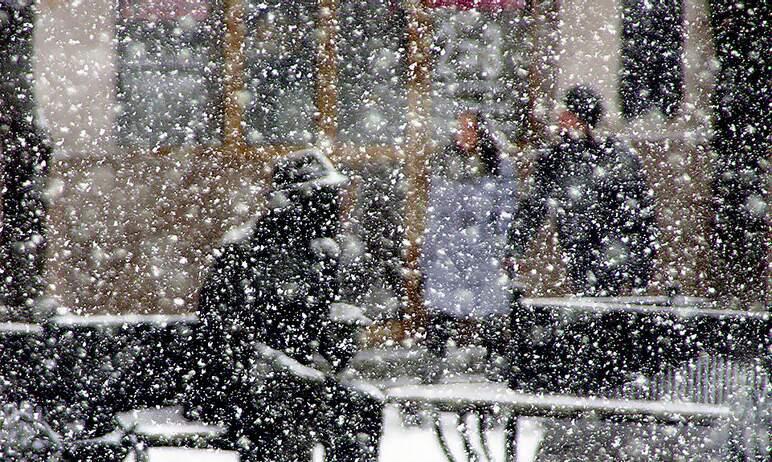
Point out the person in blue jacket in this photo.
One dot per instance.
(471, 204)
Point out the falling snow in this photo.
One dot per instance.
(384, 230)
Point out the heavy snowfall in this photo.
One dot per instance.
(385, 230)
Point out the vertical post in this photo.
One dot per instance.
(510, 438)
(415, 151)
(327, 92)
(742, 146)
(24, 160)
(544, 17)
(519, 328)
(233, 136)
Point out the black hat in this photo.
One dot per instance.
(585, 103)
(308, 168)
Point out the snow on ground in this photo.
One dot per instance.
(400, 443)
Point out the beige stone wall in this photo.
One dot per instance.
(128, 232)
(75, 75)
(590, 49)
(133, 234)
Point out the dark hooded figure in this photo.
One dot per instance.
(603, 207)
(267, 314)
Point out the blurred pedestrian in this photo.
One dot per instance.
(275, 290)
(604, 208)
(471, 203)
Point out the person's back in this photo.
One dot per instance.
(467, 219)
(471, 202)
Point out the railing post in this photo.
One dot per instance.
(519, 329)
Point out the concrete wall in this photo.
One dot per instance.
(133, 233)
(75, 75)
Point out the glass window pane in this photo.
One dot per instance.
(169, 73)
(480, 62)
(372, 262)
(652, 57)
(372, 71)
(280, 48)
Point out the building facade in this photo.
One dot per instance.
(165, 113)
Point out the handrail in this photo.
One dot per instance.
(603, 306)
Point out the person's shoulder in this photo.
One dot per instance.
(238, 243)
(621, 151)
(239, 234)
(440, 158)
(548, 158)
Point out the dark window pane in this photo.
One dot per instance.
(16, 20)
(372, 71)
(372, 264)
(170, 72)
(280, 49)
(652, 48)
(480, 62)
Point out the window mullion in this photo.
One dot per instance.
(234, 79)
(327, 94)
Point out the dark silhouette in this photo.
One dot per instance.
(24, 159)
(652, 48)
(276, 286)
(742, 122)
(603, 206)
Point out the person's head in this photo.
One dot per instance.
(308, 188)
(467, 132)
(584, 109)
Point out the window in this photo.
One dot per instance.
(373, 252)
(480, 62)
(372, 71)
(652, 48)
(280, 74)
(169, 73)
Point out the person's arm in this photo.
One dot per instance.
(505, 201)
(533, 208)
(220, 298)
(637, 212)
(646, 232)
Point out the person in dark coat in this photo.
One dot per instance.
(603, 206)
(267, 315)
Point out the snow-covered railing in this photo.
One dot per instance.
(647, 359)
(80, 371)
(592, 346)
(114, 384)
(481, 401)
